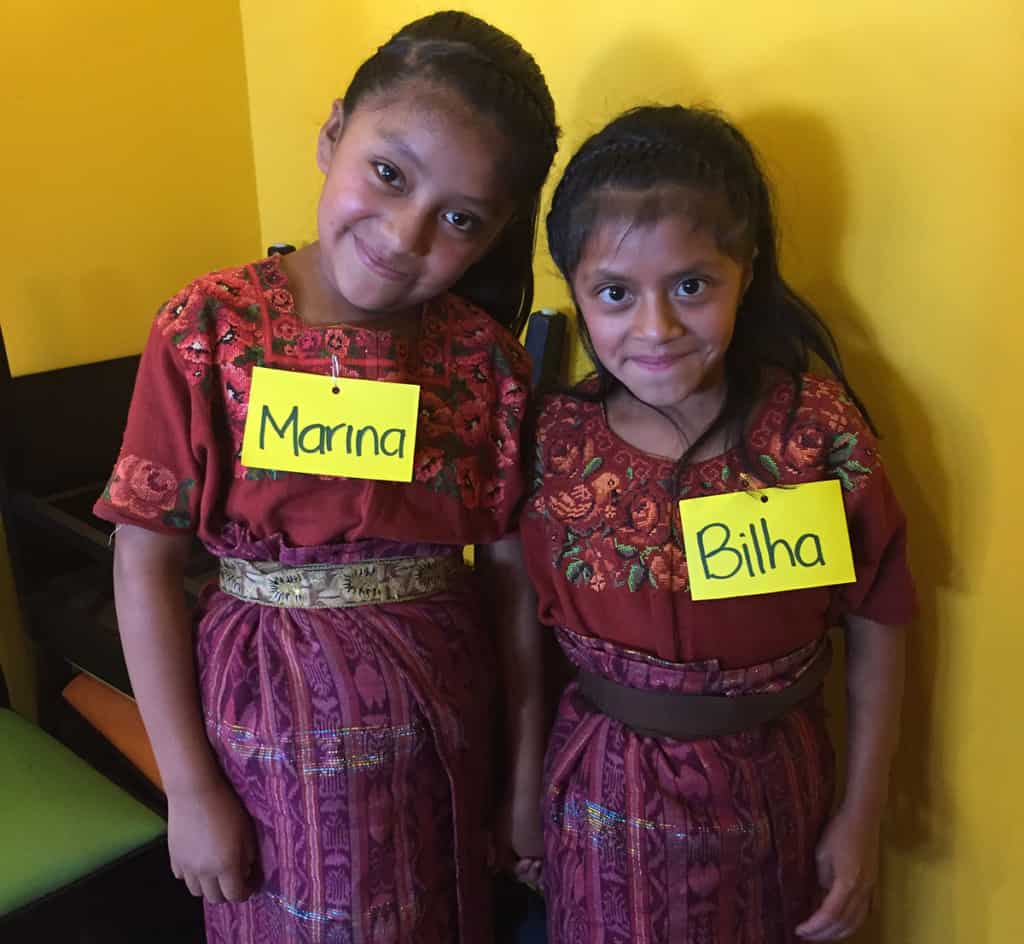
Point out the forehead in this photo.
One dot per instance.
(668, 240)
(675, 217)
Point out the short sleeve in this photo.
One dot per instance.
(884, 589)
(157, 480)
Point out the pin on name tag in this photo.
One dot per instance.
(334, 425)
(766, 541)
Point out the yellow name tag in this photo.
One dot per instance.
(766, 541)
(299, 422)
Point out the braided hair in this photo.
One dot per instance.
(497, 77)
(693, 160)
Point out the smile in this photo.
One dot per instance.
(375, 264)
(657, 362)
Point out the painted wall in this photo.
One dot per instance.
(892, 132)
(126, 169)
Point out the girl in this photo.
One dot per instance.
(672, 813)
(323, 760)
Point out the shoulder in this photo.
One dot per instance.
(216, 318)
(235, 290)
(472, 331)
(813, 431)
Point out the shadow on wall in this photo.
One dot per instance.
(802, 158)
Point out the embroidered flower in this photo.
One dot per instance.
(281, 300)
(471, 421)
(336, 340)
(196, 348)
(428, 463)
(286, 328)
(468, 480)
(573, 505)
(668, 568)
(310, 342)
(149, 490)
(435, 415)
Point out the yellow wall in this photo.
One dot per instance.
(126, 168)
(893, 131)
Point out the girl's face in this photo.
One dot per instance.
(659, 301)
(413, 197)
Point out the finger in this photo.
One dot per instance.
(193, 884)
(828, 914)
(233, 886)
(211, 890)
(852, 916)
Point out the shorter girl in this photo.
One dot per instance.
(667, 818)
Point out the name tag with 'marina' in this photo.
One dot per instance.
(766, 541)
(321, 425)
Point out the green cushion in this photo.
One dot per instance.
(59, 818)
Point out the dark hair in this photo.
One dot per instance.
(496, 76)
(655, 150)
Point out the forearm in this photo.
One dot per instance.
(156, 634)
(519, 640)
(876, 656)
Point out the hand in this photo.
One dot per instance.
(212, 845)
(847, 860)
(520, 833)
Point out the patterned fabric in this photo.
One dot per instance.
(358, 740)
(709, 841)
(180, 467)
(328, 586)
(691, 842)
(605, 547)
(357, 737)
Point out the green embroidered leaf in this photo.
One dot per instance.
(183, 489)
(844, 477)
(571, 551)
(592, 466)
(857, 467)
(578, 572)
(726, 472)
(770, 464)
(651, 579)
(842, 448)
(207, 314)
(629, 473)
(177, 519)
(252, 312)
(637, 574)
(626, 550)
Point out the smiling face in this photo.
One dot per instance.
(413, 197)
(659, 300)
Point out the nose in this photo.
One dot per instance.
(657, 320)
(410, 231)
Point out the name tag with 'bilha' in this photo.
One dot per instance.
(321, 425)
(750, 542)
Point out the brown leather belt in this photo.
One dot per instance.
(692, 717)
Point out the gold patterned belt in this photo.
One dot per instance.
(324, 586)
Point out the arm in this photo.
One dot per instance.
(512, 600)
(209, 834)
(847, 855)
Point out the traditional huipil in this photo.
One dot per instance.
(357, 736)
(710, 840)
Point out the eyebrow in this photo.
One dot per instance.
(396, 140)
(699, 267)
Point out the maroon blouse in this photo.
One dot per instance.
(603, 540)
(180, 469)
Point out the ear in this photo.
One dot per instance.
(330, 135)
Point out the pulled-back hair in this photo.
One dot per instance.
(694, 161)
(497, 77)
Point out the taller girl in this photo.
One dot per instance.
(323, 757)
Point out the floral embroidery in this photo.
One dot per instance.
(610, 511)
(472, 376)
(146, 489)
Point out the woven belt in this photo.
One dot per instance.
(692, 717)
(327, 586)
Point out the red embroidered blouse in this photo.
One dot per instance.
(180, 468)
(603, 540)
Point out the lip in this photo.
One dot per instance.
(375, 264)
(657, 362)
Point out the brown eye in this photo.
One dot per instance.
(390, 175)
(688, 288)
